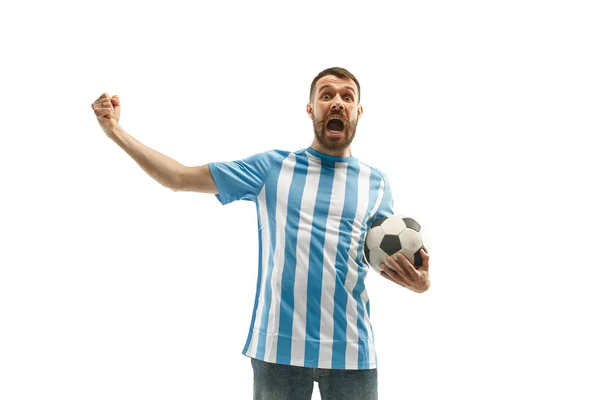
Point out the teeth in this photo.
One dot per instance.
(334, 119)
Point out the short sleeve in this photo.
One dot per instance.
(386, 206)
(243, 179)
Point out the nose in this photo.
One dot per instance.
(337, 104)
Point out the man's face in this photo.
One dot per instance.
(335, 111)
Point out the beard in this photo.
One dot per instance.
(334, 144)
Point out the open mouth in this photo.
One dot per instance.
(335, 125)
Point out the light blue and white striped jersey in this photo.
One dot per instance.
(311, 307)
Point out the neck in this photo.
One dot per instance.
(346, 152)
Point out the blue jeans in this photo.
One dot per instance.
(288, 382)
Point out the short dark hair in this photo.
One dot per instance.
(338, 72)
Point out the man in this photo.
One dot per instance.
(314, 206)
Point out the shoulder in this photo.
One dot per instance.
(269, 157)
(376, 172)
(278, 155)
(275, 154)
(274, 157)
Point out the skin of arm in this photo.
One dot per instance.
(165, 170)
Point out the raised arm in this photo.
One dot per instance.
(165, 170)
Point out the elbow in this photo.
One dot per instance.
(176, 181)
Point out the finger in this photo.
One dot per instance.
(425, 257)
(103, 96)
(102, 103)
(396, 268)
(392, 265)
(386, 276)
(394, 276)
(103, 107)
(116, 102)
(103, 112)
(107, 100)
(406, 266)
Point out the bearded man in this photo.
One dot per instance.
(310, 321)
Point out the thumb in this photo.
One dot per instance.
(116, 102)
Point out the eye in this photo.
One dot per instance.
(325, 96)
(348, 98)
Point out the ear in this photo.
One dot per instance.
(309, 110)
(360, 111)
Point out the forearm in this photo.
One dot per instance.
(161, 168)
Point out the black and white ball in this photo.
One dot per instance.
(393, 234)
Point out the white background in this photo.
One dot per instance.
(484, 116)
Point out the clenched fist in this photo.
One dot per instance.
(108, 112)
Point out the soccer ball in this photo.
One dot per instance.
(390, 235)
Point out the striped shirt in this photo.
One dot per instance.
(311, 307)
